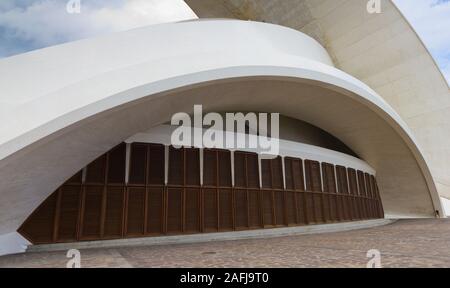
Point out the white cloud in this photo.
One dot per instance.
(27, 24)
(431, 20)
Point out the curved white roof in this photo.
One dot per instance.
(69, 104)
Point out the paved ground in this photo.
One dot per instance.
(406, 243)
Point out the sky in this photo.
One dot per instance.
(32, 24)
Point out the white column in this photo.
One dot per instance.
(304, 175)
(83, 175)
(232, 168)
(357, 182)
(201, 166)
(284, 172)
(321, 176)
(127, 162)
(166, 165)
(348, 181)
(335, 179)
(260, 171)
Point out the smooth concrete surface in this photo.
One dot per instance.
(382, 50)
(79, 106)
(209, 237)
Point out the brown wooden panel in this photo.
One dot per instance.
(370, 203)
(268, 207)
(301, 208)
(116, 165)
(297, 172)
(192, 210)
(252, 171)
(342, 180)
(343, 206)
(329, 186)
(192, 167)
(176, 166)
(379, 205)
(352, 182)
(313, 182)
(289, 178)
(354, 203)
(224, 168)
(254, 208)
(174, 210)
(95, 172)
(225, 209)
(239, 169)
(38, 228)
(69, 213)
(334, 207)
(310, 208)
(156, 165)
(277, 173)
(114, 212)
(138, 163)
(368, 185)
(346, 204)
(135, 211)
(356, 208)
(361, 184)
(266, 173)
(155, 209)
(362, 193)
(326, 214)
(92, 212)
(329, 179)
(209, 167)
(279, 208)
(291, 207)
(210, 212)
(241, 208)
(147, 208)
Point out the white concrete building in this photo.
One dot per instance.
(84, 145)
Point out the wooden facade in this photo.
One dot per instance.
(103, 201)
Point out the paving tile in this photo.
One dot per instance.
(406, 243)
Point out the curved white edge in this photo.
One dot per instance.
(162, 134)
(306, 70)
(13, 243)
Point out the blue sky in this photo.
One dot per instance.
(31, 24)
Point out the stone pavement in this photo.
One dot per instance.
(406, 243)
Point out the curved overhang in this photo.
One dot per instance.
(380, 49)
(113, 87)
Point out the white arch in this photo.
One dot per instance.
(67, 111)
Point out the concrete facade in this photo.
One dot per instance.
(91, 95)
(382, 50)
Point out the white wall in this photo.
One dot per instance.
(446, 206)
